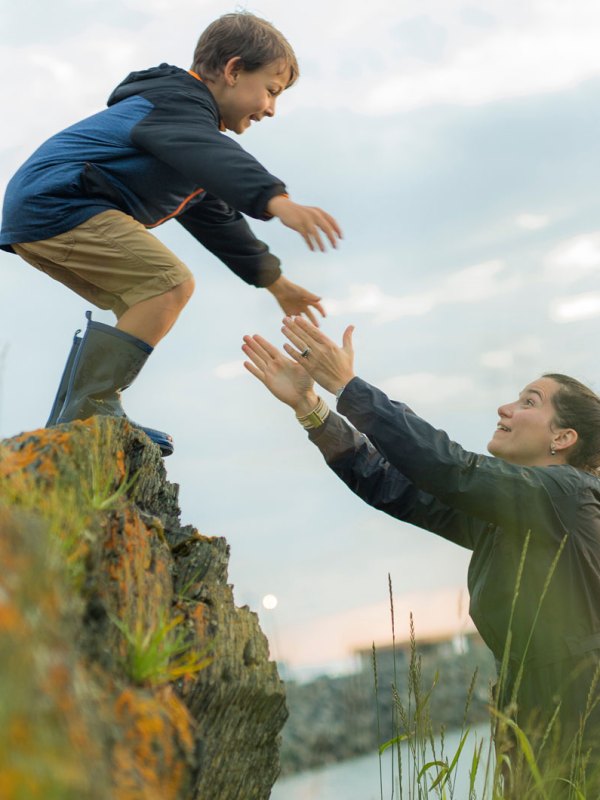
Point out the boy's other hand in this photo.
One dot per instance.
(295, 300)
(308, 221)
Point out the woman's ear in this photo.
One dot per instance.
(564, 439)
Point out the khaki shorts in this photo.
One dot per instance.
(111, 260)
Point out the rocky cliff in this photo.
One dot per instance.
(126, 670)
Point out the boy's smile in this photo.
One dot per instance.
(246, 97)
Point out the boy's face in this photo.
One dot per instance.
(246, 97)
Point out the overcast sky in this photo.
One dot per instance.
(457, 145)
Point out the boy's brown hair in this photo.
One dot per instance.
(254, 40)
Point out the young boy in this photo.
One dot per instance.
(80, 207)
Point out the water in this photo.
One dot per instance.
(358, 779)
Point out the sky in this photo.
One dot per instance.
(457, 145)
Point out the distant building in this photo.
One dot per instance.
(440, 647)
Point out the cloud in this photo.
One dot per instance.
(469, 285)
(497, 359)
(370, 299)
(553, 50)
(573, 259)
(230, 369)
(532, 222)
(61, 87)
(166, 6)
(576, 307)
(426, 389)
(506, 357)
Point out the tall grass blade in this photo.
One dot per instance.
(549, 577)
(474, 769)
(527, 751)
(395, 724)
(376, 683)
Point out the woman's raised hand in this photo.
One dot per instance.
(331, 366)
(285, 379)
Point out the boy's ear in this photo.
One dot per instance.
(232, 69)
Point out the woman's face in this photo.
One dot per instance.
(524, 434)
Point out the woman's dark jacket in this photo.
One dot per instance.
(406, 468)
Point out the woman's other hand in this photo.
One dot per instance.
(285, 379)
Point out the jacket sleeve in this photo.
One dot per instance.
(225, 232)
(366, 472)
(487, 488)
(182, 130)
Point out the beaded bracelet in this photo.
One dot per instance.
(316, 417)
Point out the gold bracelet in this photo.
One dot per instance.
(316, 417)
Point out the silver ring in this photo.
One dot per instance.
(305, 353)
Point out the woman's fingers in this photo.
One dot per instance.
(301, 327)
(255, 352)
(298, 358)
(347, 337)
(263, 354)
(294, 338)
(301, 333)
(258, 373)
(269, 350)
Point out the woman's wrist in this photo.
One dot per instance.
(306, 404)
(333, 385)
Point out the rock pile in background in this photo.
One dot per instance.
(336, 718)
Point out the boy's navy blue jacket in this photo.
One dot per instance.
(401, 465)
(157, 152)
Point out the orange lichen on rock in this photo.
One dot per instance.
(11, 620)
(137, 565)
(200, 615)
(156, 748)
(120, 464)
(46, 740)
(38, 449)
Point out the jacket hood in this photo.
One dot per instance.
(143, 80)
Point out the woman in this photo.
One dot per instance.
(537, 499)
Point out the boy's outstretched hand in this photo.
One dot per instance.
(308, 221)
(293, 299)
(285, 379)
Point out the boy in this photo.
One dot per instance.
(80, 207)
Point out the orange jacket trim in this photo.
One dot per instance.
(177, 210)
